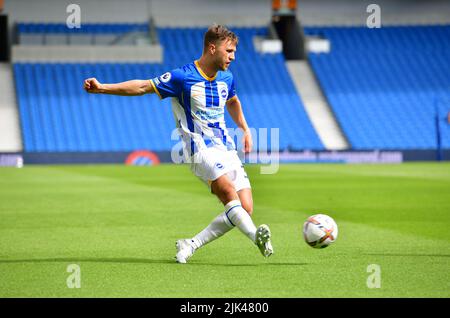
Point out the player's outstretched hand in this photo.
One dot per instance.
(91, 85)
(248, 142)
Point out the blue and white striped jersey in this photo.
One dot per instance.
(198, 104)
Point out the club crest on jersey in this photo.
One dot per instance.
(165, 77)
(224, 93)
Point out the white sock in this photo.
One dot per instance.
(218, 227)
(240, 218)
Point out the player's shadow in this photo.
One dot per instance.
(130, 260)
(248, 265)
(123, 260)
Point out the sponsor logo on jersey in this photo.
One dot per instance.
(210, 114)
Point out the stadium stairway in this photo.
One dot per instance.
(316, 106)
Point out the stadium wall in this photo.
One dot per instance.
(231, 12)
(87, 53)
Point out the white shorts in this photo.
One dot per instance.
(211, 163)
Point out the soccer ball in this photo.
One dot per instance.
(320, 230)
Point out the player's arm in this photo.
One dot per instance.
(235, 109)
(128, 88)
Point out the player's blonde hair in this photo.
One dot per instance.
(217, 33)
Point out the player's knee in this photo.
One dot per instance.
(226, 193)
(230, 193)
(247, 206)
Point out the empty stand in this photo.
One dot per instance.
(384, 84)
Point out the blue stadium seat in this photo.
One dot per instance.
(52, 28)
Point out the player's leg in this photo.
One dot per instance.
(221, 224)
(234, 215)
(218, 227)
(206, 167)
(262, 236)
(237, 213)
(225, 190)
(246, 198)
(239, 216)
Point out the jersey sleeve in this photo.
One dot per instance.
(169, 84)
(231, 89)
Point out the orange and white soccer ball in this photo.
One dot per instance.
(320, 230)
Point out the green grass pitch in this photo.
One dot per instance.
(119, 225)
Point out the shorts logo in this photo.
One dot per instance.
(165, 77)
(224, 93)
(218, 165)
